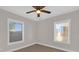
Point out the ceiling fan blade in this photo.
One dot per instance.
(31, 11)
(46, 11)
(38, 15)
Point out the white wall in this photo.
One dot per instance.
(46, 31)
(29, 31)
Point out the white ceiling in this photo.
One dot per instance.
(55, 11)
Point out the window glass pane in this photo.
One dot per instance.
(15, 31)
(62, 32)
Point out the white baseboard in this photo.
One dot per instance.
(20, 47)
(56, 47)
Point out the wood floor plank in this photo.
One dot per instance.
(39, 48)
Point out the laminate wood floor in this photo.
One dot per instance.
(39, 48)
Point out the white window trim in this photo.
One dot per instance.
(17, 21)
(63, 21)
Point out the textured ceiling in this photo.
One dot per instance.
(55, 11)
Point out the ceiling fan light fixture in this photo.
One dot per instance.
(38, 11)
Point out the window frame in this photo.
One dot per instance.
(16, 21)
(69, 27)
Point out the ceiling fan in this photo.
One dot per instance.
(38, 10)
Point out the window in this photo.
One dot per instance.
(61, 31)
(16, 31)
